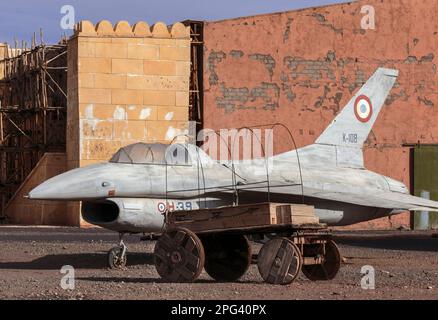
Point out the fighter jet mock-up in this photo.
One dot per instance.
(130, 193)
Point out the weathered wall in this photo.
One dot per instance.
(301, 67)
(129, 85)
(125, 85)
(23, 211)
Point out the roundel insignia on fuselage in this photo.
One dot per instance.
(363, 108)
(161, 207)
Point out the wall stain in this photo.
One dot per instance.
(314, 69)
(267, 61)
(323, 21)
(287, 29)
(242, 98)
(236, 54)
(214, 58)
(425, 101)
(310, 74)
(392, 97)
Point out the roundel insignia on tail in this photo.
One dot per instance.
(363, 108)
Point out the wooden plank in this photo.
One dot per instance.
(244, 216)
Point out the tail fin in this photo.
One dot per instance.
(352, 126)
(342, 141)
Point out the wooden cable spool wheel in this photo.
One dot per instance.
(330, 266)
(179, 256)
(279, 261)
(227, 257)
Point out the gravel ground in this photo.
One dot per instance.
(406, 267)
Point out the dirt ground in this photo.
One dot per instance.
(405, 263)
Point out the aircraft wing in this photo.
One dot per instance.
(381, 199)
(384, 199)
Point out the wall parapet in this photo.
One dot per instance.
(141, 29)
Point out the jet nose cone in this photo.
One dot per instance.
(77, 184)
(46, 191)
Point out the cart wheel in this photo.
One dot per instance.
(279, 261)
(330, 266)
(179, 256)
(227, 257)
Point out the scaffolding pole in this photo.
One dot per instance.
(33, 104)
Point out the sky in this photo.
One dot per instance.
(19, 19)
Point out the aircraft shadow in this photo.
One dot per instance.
(78, 261)
(408, 242)
(147, 280)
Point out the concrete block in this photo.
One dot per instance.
(163, 41)
(130, 130)
(126, 40)
(86, 80)
(143, 51)
(173, 113)
(86, 49)
(96, 129)
(175, 53)
(97, 111)
(97, 39)
(182, 98)
(124, 96)
(141, 112)
(158, 130)
(99, 149)
(177, 83)
(183, 68)
(111, 50)
(94, 65)
(158, 83)
(136, 82)
(110, 81)
(158, 98)
(164, 68)
(127, 66)
(95, 96)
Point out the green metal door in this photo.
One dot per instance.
(426, 184)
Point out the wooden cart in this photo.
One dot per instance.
(217, 240)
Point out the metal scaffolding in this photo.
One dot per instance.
(33, 105)
(196, 72)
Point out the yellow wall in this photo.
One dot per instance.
(125, 85)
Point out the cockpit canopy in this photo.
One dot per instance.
(153, 153)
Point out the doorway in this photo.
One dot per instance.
(424, 160)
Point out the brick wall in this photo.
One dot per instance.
(125, 84)
(301, 67)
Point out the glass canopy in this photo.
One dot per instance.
(152, 153)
